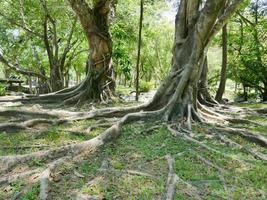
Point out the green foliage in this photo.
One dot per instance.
(247, 57)
(33, 193)
(145, 86)
(3, 88)
(157, 38)
(22, 30)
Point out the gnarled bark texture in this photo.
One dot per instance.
(175, 99)
(98, 84)
(195, 28)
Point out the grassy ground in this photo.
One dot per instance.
(135, 167)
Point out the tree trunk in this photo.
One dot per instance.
(194, 31)
(98, 84)
(67, 78)
(221, 89)
(264, 94)
(139, 50)
(56, 78)
(204, 95)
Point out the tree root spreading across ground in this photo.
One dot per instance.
(54, 157)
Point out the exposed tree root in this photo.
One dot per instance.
(210, 113)
(11, 127)
(19, 176)
(70, 117)
(45, 178)
(242, 121)
(44, 185)
(105, 168)
(247, 150)
(25, 147)
(172, 181)
(56, 155)
(39, 114)
(73, 150)
(250, 136)
(261, 110)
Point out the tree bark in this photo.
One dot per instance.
(221, 89)
(204, 96)
(264, 93)
(139, 50)
(195, 29)
(98, 84)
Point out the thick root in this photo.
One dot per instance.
(250, 136)
(242, 121)
(11, 127)
(38, 114)
(85, 147)
(233, 144)
(44, 178)
(67, 117)
(19, 176)
(173, 179)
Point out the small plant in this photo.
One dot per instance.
(2, 89)
(145, 86)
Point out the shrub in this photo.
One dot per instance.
(145, 86)
(2, 89)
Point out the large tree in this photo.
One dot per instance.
(195, 28)
(37, 37)
(98, 84)
(196, 25)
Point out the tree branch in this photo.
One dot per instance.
(14, 22)
(223, 19)
(19, 70)
(68, 45)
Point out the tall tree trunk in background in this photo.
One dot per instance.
(221, 89)
(204, 95)
(51, 42)
(139, 50)
(264, 93)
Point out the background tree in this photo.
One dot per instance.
(223, 75)
(247, 50)
(98, 84)
(139, 49)
(42, 35)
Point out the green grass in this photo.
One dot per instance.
(252, 105)
(32, 194)
(137, 149)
